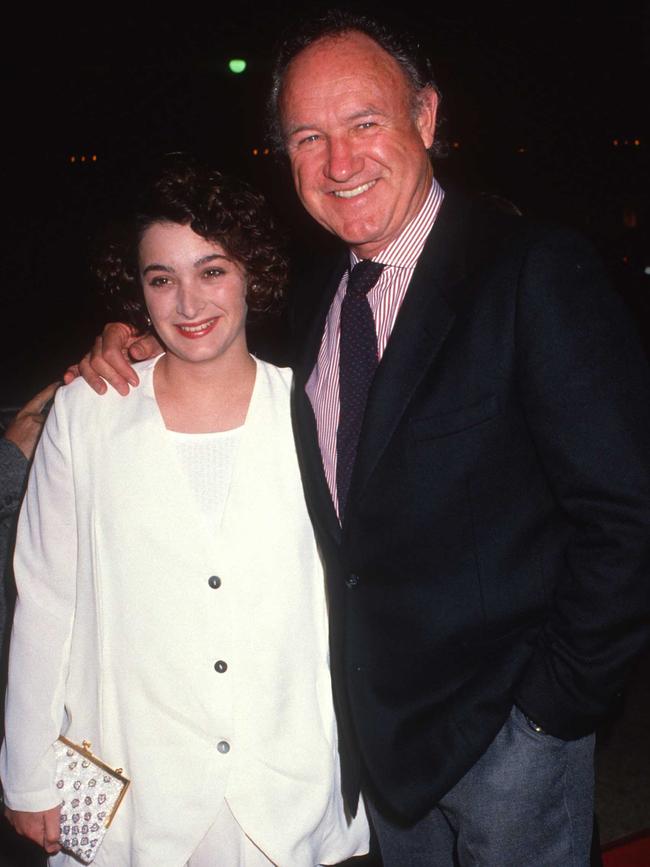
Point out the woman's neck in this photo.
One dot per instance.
(196, 397)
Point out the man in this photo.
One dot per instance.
(17, 445)
(486, 535)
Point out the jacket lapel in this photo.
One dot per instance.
(304, 421)
(152, 458)
(424, 321)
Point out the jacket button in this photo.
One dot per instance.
(214, 581)
(220, 666)
(352, 581)
(223, 747)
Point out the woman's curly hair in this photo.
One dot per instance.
(220, 209)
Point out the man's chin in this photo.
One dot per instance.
(360, 239)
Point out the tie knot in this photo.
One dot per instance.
(363, 276)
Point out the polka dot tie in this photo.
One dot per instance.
(357, 365)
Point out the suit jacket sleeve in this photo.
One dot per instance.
(584, 386)
(45, 570)
(13, 470)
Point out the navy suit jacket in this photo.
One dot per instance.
(495, 548)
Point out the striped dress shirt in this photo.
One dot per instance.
(385, 299)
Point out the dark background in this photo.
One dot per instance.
(546, 106)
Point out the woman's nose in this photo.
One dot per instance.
(189, 302)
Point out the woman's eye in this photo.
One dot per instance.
(213, 272)
(159, 281)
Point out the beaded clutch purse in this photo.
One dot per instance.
(90, 793)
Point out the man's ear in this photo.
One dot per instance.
(426, 116)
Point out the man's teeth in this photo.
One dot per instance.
(350, 194)
(194, 328)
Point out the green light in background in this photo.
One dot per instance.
(237, 65)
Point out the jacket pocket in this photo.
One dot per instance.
(455, 421)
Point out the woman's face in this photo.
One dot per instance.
(195, 293)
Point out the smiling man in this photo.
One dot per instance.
(357, 138)
(472, 419)
(481, 493)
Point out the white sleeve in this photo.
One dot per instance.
(45, 569)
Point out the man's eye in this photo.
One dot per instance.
(309, 139)
(367, 124)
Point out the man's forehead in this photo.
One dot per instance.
(350, 60)
(333, 49)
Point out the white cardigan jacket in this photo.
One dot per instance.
(117, 631)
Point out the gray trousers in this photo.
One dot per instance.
(527, 802)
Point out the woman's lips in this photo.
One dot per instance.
(194, 330)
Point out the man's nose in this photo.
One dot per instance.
(343, 161)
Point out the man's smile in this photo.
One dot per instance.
(351, 194)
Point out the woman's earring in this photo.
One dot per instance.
(148, 321)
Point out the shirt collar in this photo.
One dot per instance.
(405, 250)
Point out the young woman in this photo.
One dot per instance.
(171, 604)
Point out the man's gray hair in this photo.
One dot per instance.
(402, 46)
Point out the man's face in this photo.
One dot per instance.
(358, 153)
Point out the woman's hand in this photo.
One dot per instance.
(42, 827)
(108, 359)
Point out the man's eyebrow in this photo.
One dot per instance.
(364, 112)
(303, 127)
(357, 115)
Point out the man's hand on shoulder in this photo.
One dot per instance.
(108, 360)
